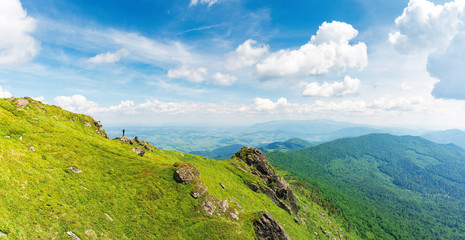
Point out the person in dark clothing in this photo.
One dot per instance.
(123, 132)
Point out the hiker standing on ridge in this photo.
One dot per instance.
(123, 132)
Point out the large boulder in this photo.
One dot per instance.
(186, 174)
(267, 228)
(139, 151)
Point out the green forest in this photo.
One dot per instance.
(388, 187)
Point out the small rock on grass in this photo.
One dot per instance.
(71, 234)
(75, 170)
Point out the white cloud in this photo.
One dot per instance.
(224, 79)
(209, 2)
(406, 86)
(245, 55)
(329, 50)
(109, 57)
(4, 93)
(439, 31)
(264, 104)
(424, 25)
(40, 98)
(77, 103)
(195, 75)
(16, 44)
(336, 89)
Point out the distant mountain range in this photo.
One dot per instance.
(210, 141)
(454, 136)
(388, 187)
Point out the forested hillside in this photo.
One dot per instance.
(388, 187)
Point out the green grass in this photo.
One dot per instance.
(42, 198)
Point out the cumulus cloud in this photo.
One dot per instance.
(109, 57)
(328, 50)
(424, 25)
(439, 30)
(246, 54)
(4, 93)
(16, 43)
(195, 75)
(264, 104)
(224, 79)
(336, 89)
(209, 2)
(40, 98)
(77, 103)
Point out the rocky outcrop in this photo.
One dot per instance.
(139, 151)
(267, 228)
(22, 102)
(216, 206)
(187, 174)
(273, 185)
(100, 129)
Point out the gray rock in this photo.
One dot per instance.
(199, 190)
(109, 217)
(75, 170)
(126, 140)
(238, 205)
(2, 234)
(87, 124)
(22, 102)
(20, 138)
(139, 151)
(222, 185)
(31, 148)
(213, 205)
(186, 174)
(256, 158)
(71, 234)
(234, 214)
(255, 187)
(267, 228)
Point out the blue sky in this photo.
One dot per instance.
(239, 62)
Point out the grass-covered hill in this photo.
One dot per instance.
(61, 178)
(388, 187)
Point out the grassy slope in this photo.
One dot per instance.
(40, 197)
(389, 187)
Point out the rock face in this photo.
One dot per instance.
(267, 228)
(100, 129)
(274, 186)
